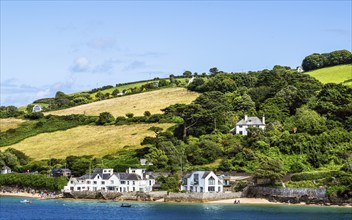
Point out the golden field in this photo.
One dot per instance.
(137, 104)
(8, 123)
(85, 140)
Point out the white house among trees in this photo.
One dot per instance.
(243, 124)
(202, 181)
(108, 181)
(37, 108)
(5, 170)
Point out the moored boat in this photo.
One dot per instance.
(125, 205)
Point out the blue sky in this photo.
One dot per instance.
(69, 46)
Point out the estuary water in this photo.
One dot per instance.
(11, 208)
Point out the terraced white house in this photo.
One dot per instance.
(107, 181)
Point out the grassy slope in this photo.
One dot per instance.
(8, 123)
(137, 104)
(85, 140)
(334, 74)
(132, 85)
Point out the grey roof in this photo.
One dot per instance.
(187, 175)
(250, 121)
(206, 173)
(129, 176)
(5, 168)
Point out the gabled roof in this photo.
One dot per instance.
(202, 174)
(129, 176)
(250, 121)
(206, 173)
(5, 168)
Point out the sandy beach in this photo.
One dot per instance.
(25, 194)
(20, 194)
(243, 201)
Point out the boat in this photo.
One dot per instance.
(26, 201)
(125, 205)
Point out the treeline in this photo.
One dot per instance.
(36, 181)
(317, 61)
(40, 124)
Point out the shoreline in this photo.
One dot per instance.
(245, 201)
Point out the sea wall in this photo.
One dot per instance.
(153, 196)
(200, 197)
(290, 195)
(132, 196)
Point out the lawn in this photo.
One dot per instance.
(137, 104)
(85, 140)
(334, 74)
(8, 123)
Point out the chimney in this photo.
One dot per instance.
(245, 117)
(263, 121)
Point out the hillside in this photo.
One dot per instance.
(137, 104)
(9, 123)
(85, 140)
(334, 74)
(128, 86)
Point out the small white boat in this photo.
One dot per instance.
(26, 201)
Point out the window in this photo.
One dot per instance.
(201, 189)
(71, 182)
(133, 183)
(150, 182)
(211, 189)
(111, 181)
(95, 182)
(241, 132)
(211, 181)
(102, 182)
(88, 182)
(128, 182)
(196, 179)
(133, 189)
(240, 126)
(123, 182)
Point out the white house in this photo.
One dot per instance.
(243, 124)
(108, 181)
(5, 170)
(202, 181)
(37, 108)
(299, 69)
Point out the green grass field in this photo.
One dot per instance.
(133, 85)
(334, 74)
(137, 104)
(85, 140)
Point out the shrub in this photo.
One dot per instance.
(311, 175)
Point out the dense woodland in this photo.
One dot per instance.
(308, 128)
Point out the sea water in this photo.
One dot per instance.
(11, 208)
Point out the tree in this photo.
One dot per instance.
(115, 92)
(147, 113)
(189, 113)
(157, 157)
(313, 62)
(105, 118)
(269, 169)
(214, 71)
(309, 121)
(187, 74)
(129, 115)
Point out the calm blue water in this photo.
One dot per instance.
(11, 208)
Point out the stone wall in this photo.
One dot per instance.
(133, 196)
(289, 195)
(200, 197)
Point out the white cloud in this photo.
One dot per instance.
(81, 64)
